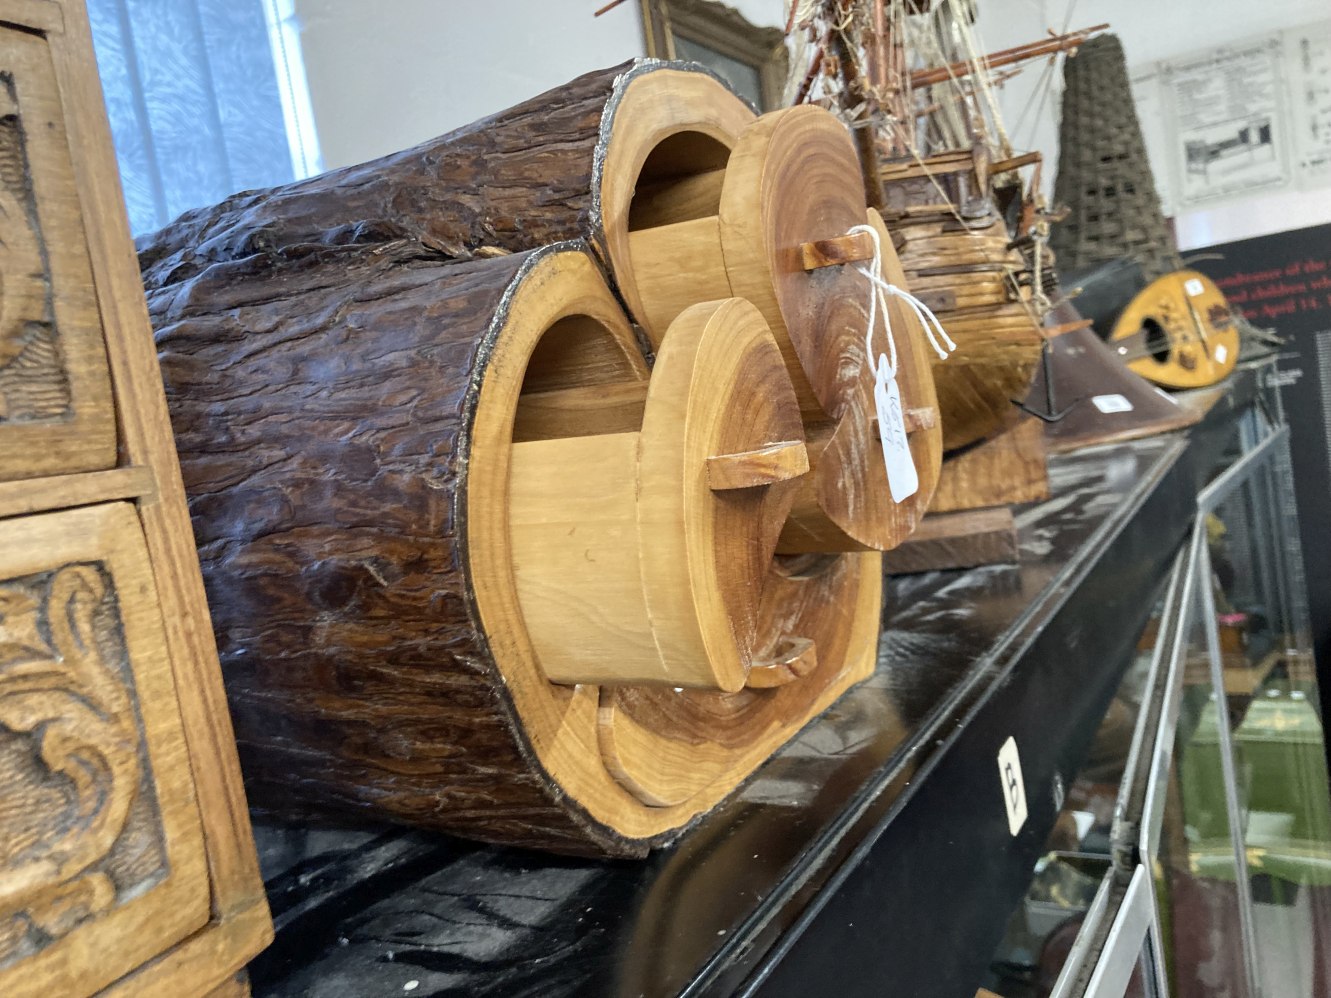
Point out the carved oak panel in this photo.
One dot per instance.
(55, 395)
(79, 826)
(99, 832)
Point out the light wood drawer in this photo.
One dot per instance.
(102, 862)
(56, 413)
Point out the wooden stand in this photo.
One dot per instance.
(1008, 468)
(969, 523)
(1102, 400)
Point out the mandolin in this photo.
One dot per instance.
(1178, 332)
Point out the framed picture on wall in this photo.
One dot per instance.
(750, 58)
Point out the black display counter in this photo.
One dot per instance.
(872, 855)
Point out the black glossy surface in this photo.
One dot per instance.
(871, 855)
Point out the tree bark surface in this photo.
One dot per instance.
(327, 490)
(514, 181)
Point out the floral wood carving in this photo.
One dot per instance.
(79, 829)
(33, 383)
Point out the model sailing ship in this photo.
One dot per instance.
(968, 216)
(969, 228)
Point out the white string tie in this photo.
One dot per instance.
(879, 291)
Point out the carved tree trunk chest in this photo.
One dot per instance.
(126, 860)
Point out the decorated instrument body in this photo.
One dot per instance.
(1178, 332)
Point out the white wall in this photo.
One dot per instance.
(1152, 30)
(764, 13)
(386, 74)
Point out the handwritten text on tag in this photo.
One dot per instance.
(902, 479)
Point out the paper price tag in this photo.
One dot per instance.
(1111, 403)
(902, 479)
(1014, 786)
(1193, 287)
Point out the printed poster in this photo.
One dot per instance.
(1230, 127)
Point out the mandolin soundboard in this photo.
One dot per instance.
(1178, 332)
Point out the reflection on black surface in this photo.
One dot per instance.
(1078, 853)
(367, 912)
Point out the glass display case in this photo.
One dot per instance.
(1192, 856)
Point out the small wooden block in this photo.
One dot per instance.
(924, 418)
(777, 462)
(849, 248)
(1015, 163)
(938, 300)
(957, 540)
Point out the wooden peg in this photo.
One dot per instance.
(849, 248)
(915, 419)
(774, 463)
(923, 418)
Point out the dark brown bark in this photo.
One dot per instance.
(323, 413)
(517, 180)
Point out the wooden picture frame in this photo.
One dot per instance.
(720, 37)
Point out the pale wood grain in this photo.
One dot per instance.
(119, 931)
(676, 266)
(1008, 468)
(665, 159)
(66, 491)
(676, 198)
(628, 568)
(614, 407)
